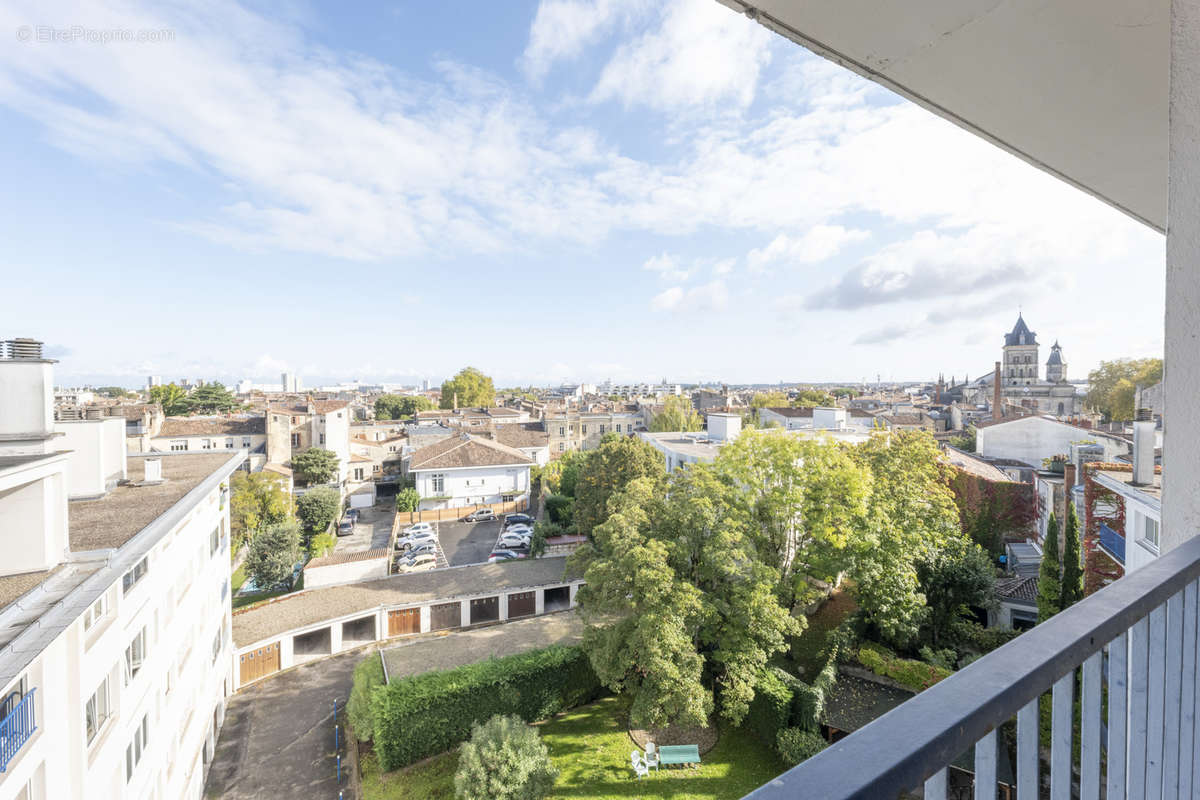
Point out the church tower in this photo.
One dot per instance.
(1020, 355)
(1056, 368)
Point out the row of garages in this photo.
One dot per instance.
(348, 632)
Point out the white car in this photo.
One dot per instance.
(417, 563)
(509, 540)
(519, 529)
(420, 527)
(415, 539)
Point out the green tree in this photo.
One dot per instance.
(257, 499)
(1072, 571)
(399, 406)
(910, 514)
(318, 507)
(953, 579)
(471, 387)
(813, 397)
(608, 469)
(171, 397)
(408, 499)
(1049, 594)
(315, 465)
(965, 441)
(115, 392)
(774, 399)
(1111, 386)
(273, 554)
(561, 474)
(676, 605)
(504, 759)
(560, 509)
(211, 398)
(677, 414)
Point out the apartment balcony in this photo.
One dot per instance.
(16, 728)
(1113, 544)
(1130, 650)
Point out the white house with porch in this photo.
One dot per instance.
(466, 470)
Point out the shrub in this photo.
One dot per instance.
(320, 544)
(771, 709)
(916, 675)
(560, 508)
(407, 499)
(422, 715)
(796, 745)
(319, 507)
(973, 636)
(808, 702)
(273, 554)
(943, 658)
(504, 759)
(368, 674)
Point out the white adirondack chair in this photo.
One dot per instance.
(651, 755)
(639, 766)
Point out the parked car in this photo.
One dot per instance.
(422, 547)
(408, 541)
(345, 527)
(522, 529)
(517, 519)
(420, 527)
(480, 515)
(352, 514)
(504, 555)
(418, 563)
(511, 541)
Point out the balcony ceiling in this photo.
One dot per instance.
(1076, 87)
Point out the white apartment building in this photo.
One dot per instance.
(213, 434)
(466, 470)
(115, 646)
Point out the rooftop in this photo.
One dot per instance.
(213, 426)
(114, 519)
(316, 605)
(1125, 479)
(465, 450)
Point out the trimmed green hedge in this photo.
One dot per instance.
(808, 702)
(368, 674)
(916, 675)
(771, 708)
(796, 745)
(423, 715)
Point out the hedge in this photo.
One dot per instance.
(808, 702)
(796, 745)
(771, 709)
(367, 675)
(916, 675)
(423, 715)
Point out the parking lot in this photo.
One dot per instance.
(467, 542)
(373, 530)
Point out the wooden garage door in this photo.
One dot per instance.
(259, 662)
(404, 621)
(445, 616)
(485, 609)
(521, 604)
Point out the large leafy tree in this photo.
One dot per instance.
(398, 406)
(315, 465)
(1049, 594)
(115, 392)
(471, 387)
(211, 398)
(618, 461)
(1112, 385)
(676, 604)
(258, 499)
(318, 507)
(172, 398)
(273, 554)
(813, 397)
(775, 399)
(677, 414)
(953, 579)
(562, 474)
(1072, 570)
(910, 515)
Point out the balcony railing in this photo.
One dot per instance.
(1137, 637)
(16, 728)
(1113, 543)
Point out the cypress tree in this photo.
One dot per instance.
(1072, 571)
(1049, 581)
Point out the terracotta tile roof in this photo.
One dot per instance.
(465, 450)
(212, 426)
(138, 410)
(347, 557)
(525, 434)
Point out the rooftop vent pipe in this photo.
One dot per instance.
(1143, 447)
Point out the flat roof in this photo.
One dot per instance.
(13, 586)
(311, 606)
(1152, 491)
(115, 518)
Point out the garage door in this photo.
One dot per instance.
(485, 609)
(521, 604)
(404, 621)
(445, 616)
(259, 663)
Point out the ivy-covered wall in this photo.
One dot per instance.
(994, 512)
(1101, 506)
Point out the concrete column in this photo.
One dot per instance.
(426, 619)
(466, 613)
(503, 606)
(286, 656)
(381, 624)
(335, 637)
(539, 601)
(574, 589)
(1181, 417)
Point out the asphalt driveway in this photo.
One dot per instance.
(467, 542)
(373, 530)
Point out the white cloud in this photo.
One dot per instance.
(702, 54)
(667, 266)
(561, 29)
(667, 299)
(815, 245)
(712, 296)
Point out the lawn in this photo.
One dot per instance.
(590, 746)
(236, 581)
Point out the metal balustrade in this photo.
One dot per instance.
(16, 728)
(1113, 543)
(1132, 644)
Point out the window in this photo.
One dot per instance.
(179, 444)
(618, 427)
(439, 482)
(562, 446)
(135, 656)
(95, 612)
(130, 579)
(218, 640)
(96, 712)
(358, 473)
(214, 540)
(295, 440)
(562, 431)
(374, 468)
(206, 444)
(245, 441)
(229, 444)
(1150, 531)
(601, 430)
(322, 438)
(136, 748)
(583, 429)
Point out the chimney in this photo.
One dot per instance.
(997, 403)
(153, 470)
(1143, 447)
(27, 399)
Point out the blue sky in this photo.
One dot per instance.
(564, 190)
